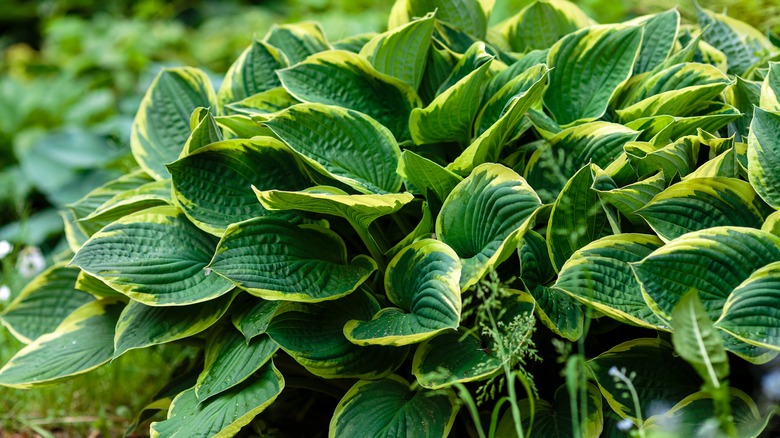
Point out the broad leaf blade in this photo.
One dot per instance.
(696, 340)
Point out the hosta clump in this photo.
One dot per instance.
(325, 225)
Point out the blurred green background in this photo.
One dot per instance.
(72, 74)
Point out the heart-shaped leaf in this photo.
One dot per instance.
(422, 280)
(540, 24)
(254, 71)
(298, 41)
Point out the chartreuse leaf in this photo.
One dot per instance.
(402, 52)
(742, 44)
(162, 124)
(213, 186)
(750, 314)
(530, 59)
(253, 317)
(254, 71)
(348, 80)
(696, 340)
(422, 280)
(465, 355)
(451, 114)
(712, 262)
(427, 176)
(600, 143)
(685, 418)
(390, 408)
(230, 360)
(764, 156)
(44, 303)
(540, 24)
(632, 197)
(82, 342)
(91, 285)
(556, 420)
(241, 126)
(647, 361)
(263, 103)
(343, 144)
(224, 415)
(599, 276)
(149, 195)
(497, 101)
(487, 147)
(577, 218)
(141, 326)
(589, 66)
(155, 257)
(658, 41)
(312, 333)
(724, 165)
(770, 89)
(275, 260)
(297, 41)
(484, 217)
(677, 158)
(699, 203)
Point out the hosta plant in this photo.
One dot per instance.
(386, 235)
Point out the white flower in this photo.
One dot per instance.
(5, 293)
(5, 248)
(625, 425)
(30, 261)
(770, 385)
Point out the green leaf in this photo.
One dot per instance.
(742, 44)
(298, 41)
(162, 124)
(254, 316)
(44, 303)
(487, 147)
(422, 280)
(750, 314)
(484, 217)
(389, 408)
(451, 114)
(402, 52)
(204, 131)
(559, 312)
(632, 197)
(535, 265)
(263, 103)
(425, 175)
(599, 276)
(712, 262)
(142, 326)
(764, 156)
(699, 203)
(600, 143)
(312, 333)
(540, 24)
(772, 223)
(222, 416)
(242, 126)
(149, 195)
(360, 210)
(678, 157)
(354, 43)
(648, 361)
(686, 417)
(555, 420)
(744, 95)
(659, 39)
(231, 360)
(82, 342)
(577, 218)
(254, 71)
(155, 257)
(696, 340)
(91, 285)
(342, 144)
(589, 66)
(725, 165)
(213, 186)
(273, 259)
(770, 89)
(469, 16)
(348, 80)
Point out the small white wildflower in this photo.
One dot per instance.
(625, 425)
(613, 371)
(5, 293)
(5, 248)
(30, 261)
